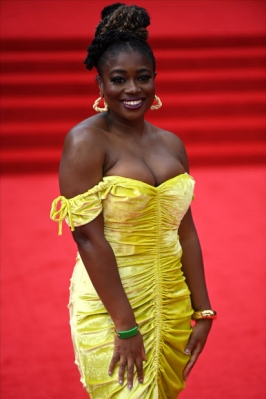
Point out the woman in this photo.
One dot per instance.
(126, 192)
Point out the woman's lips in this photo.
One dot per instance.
(133, 104)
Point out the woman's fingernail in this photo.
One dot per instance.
(121, 382)
(109, 373)
(141, 381)
(129, 386)
(187, 351)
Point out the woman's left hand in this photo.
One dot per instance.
(196, 343)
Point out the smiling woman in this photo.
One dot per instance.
(128, 85)
(126, 193)
(111, 51)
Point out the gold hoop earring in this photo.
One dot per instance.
(98, 109)
(158, 105)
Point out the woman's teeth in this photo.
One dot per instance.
(133, 103)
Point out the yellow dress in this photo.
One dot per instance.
(141, 224)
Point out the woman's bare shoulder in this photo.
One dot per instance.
(174, 144)
(171, 138)
(168, 137)
(88, 132)
(82, 158)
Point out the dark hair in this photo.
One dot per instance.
(122, 28)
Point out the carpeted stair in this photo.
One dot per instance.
(213, 91)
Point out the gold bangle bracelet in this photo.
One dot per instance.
(204, 314)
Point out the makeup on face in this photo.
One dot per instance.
(128, 81)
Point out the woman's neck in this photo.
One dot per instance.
(123, 126)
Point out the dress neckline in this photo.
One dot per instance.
(144, 183)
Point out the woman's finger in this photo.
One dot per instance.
(130, 373)
(191, 344)
(143, 354)
(194, 356)
(140, 373)
(121, 371)
(114, 360)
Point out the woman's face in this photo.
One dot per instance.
(128, 85)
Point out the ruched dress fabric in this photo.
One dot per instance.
(141, 224)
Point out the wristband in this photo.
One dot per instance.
(128, 333)
(204, 314)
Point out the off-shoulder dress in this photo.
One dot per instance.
(141, 224)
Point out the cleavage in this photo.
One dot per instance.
(154, 173)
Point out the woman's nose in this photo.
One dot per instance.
(132, 87)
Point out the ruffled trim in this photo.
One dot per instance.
(89, 204)
(62, 213)
(68, 207)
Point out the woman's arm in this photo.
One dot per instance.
(99, 260)
(80, 169)
(100, 263)
(192, 266)
(192, 263)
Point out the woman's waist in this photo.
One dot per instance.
(145, 251)
(142, 240)
(140, 276)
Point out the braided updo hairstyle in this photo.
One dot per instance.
(122, 28)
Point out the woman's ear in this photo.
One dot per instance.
(99, 82)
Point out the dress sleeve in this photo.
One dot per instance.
(80, 209)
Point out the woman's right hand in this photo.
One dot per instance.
(129, 352)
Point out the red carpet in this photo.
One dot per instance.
(37, 357)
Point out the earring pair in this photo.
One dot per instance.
(98, 109)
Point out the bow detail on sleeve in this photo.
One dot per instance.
(58, 215)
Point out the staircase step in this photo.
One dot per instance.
(230, 129)
(198, 131)
(45, 160)
(160, 42)
(224, 153)
(30, 161)
(70, 78)
(180, 81)
(50, 62)
(78, 108)
(211, 58)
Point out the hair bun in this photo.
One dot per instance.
(122, 28)
(130, 19)
(108, 10)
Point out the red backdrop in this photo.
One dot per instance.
(211, 59)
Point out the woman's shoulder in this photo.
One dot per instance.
(168, 137)
(83, 158)
(86, 133)
(173, 144)
(84, 146)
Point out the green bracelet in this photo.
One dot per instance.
(128, 333)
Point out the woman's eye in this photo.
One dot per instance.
(144, 77)
(118, 79)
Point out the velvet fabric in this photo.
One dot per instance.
(141, 224)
